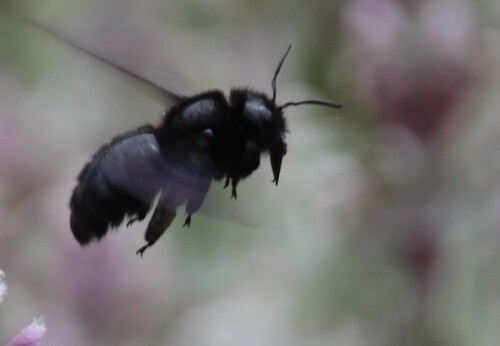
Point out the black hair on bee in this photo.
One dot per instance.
(201, 138)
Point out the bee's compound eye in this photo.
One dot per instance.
(256, 110)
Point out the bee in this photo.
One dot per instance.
(201, 138)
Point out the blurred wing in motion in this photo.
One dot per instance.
(124, 177)
(138, 166)
(165, 95)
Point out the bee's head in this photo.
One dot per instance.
(263, 120)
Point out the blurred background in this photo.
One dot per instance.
(384, 229)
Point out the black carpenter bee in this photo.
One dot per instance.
(201, 138)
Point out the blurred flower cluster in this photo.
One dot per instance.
(415, 62)
(415, 66)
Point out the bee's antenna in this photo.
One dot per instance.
(312, 102)
(309, 102)
(278, 68)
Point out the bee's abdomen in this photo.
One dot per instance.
(97, 206)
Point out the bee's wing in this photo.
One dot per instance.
(136, 165)
(164, 94)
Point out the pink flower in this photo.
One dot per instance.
(30, 335)
(414, 66)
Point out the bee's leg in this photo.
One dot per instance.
(233, 188)
(234, 181)
(139, 215)
(194, 201)
(161, 219)
(188, 220)
(226, 183)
